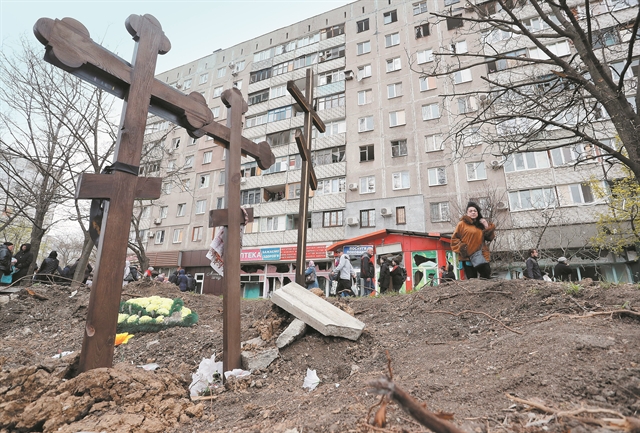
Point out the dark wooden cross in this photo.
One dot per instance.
(308, 175)
(69, 46)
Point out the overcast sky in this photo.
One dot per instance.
(195, 28)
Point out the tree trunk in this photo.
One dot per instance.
(78, 275)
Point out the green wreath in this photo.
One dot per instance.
(153, 314)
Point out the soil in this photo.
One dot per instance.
(470, 349)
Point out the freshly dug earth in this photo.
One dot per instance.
(476, 349)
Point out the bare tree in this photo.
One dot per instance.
(556, 74)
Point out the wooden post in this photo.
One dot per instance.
(307, 175)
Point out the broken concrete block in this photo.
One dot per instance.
(254, 342)
(291, 334)
(259, 360)
(316, 312)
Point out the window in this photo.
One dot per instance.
(510, 62)
(280, 138)
(273, 224)
(431, 111)
(571, 154)
(188, 161)
(326, 156)
(454, 22)
(294, 191)
(399, 148)
(427, 83)
(278, 91)
(250, 196)
(222, 178)
(366, 153)
(332, 218)
(281, 164)
(434, 142)
(159, 236)
(365, 97)
(400, 180)
(440, 212)
(615, 5)
(401, 215)
(185, 185)
(437, 176)
(581, 193)
(207, 156)
(526, 161)
(203, 78)
(331, 186)
(496, 35)
(187, 84)
(364, 47)
(332, 32)
(631, 72)
(204, 181)
(182, 208)
(216, 112)
(604, 38)
(238, 84)
(196, 235)
(368, 218)
(459, 47)
(394, 90)
(476, 171)
(221, 72)
(538, 198)
(217, 92)
(365, 124)
(392, 40)
(220, 203)
(363, 25)
(424, 56)
(278, 114)
(260, 75)
(364, 71)
(471, 137)
(201, 207)
(295, 162)
(367, 184)
(462, 76)
(166, 188)
(390, 17)
(146, 212)
(467, 104)
(258, 97)
(422, 30)
(308, 40)
(396, 118)
(559, 49)
(419, 8)
(330, 77)
(331, 101)
(239, 66)
(332, 128)
(393, 64)
(177, 236)
(249, 169)
(175, 143)
(193, 141)
(164, 211)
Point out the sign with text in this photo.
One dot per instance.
(356, 250)
(313, 252)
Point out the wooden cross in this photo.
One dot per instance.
(308, 175)
(69, 46)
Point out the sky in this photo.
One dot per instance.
(195, 28)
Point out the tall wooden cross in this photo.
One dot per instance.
(308, 174)
(70, 47)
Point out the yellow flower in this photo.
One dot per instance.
(123, 338)
(159, 319)
(145, 319)
(163, 311)
(132, 319)
(185, 311)
(122, 317)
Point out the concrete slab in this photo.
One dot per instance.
(252, 361)
(291, 334)
(316, 312)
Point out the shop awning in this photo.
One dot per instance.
(379, 234)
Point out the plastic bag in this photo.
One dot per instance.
(477, 259)
(208, 375)
(311, 380)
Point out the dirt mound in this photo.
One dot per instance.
(459, 347)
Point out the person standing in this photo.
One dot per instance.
(533, 270)
(24, 258)
(472, 235)
(367, 271)
(6, 265)
(183, 281)
(344, 272)
(310, 277)
(384, 280)
(398, 275)
(562, 271)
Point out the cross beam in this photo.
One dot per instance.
(308, 174)
(70, 47)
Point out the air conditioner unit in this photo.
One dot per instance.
(243, 180)
(353, 186)
(348, 75)
(232, 64)
(151, 234)
(352, 221)
(157, 221)
(385, 212)
(501, 205)
(179, 85)
(495, 164)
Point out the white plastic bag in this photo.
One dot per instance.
(208, 374)
(311, 380)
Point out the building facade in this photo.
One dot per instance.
(386, 160)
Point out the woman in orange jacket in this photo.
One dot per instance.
(471, 235)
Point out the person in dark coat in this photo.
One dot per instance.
(183, 281)
(24, 259)
(385, 276)
(533, 269)
(6, 257)
(449, 275)
(49, 267)
(398, 275)
(562, 271)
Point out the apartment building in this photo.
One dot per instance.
(386, 160)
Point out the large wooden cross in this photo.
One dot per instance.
(308, 174)
(69, 46)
